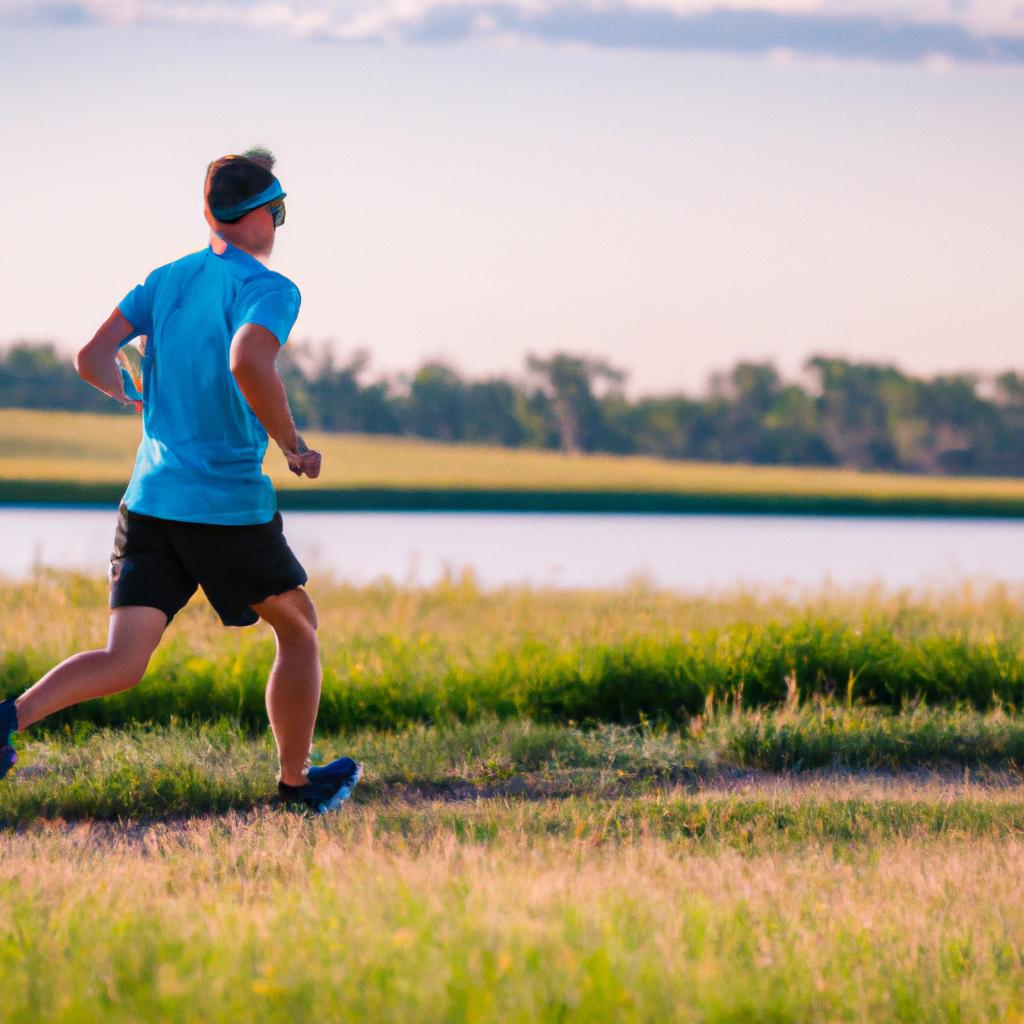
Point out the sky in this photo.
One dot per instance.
(670, 185)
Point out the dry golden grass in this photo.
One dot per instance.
(267, 918)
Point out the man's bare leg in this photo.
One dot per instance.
(293, 690)
(133, 636)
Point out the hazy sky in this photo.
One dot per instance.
(672, 185)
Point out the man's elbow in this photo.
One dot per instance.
(82, 363)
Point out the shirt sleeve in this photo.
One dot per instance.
(271, 302)
(137, 308)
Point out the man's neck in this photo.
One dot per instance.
(219, 244)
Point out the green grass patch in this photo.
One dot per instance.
(389, 682)
(395, 657)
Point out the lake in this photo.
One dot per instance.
(686, 553)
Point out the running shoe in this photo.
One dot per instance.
(8, 726)
(326, 788)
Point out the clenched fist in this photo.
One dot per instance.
(303, 460)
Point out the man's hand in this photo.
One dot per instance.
(303, 460)
(97, 362)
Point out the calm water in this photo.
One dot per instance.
(685, 553)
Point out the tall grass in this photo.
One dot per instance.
(395, 657)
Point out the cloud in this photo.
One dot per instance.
(932, 32)
(54, 14)
(724, 31)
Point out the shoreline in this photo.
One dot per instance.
(36, 493)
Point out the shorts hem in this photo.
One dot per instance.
(129, 603)
(249, 610)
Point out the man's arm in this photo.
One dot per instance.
(254, 352)
(96, 362)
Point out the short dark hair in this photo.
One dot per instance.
(234, 179)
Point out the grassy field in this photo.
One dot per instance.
(803, 857)
(55, 456)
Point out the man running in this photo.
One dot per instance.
(198, 510)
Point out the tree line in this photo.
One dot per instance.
(858, 415)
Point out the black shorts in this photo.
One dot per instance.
(158, 563)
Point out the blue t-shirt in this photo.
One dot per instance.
(201, 455)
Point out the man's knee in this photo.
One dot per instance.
(300, 632)
(292, 616)
(126, 670)
(134, 634)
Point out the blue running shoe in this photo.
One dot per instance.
(8, 725)
(326, 788)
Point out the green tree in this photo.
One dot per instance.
(569, 384)
(437, 405)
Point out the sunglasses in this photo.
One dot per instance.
(276, 208)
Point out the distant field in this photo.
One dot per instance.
(56, 456)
